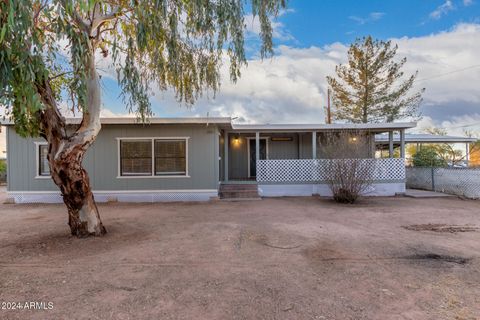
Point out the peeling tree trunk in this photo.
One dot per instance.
(66, 152)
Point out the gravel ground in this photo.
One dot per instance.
(285, 258)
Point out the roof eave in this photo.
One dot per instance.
(375, 127)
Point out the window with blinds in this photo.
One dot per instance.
(43, 167)
(136, 157)
(153, 157)
(170, 157)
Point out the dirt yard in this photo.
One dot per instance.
(287, 258)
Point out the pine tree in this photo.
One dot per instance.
(370, 87)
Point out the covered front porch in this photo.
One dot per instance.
(292, 159)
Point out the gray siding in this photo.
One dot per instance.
(283, 149)
(101, 161)
(237, 157)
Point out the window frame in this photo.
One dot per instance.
(38, 144)
(152, 142)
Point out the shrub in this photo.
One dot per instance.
(3, 166)
(350, 173)
(428, 157)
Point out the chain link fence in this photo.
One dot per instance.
(458, 181)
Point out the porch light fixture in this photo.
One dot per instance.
(281, 138)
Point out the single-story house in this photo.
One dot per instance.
(195, 159)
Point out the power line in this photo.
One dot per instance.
(465, 125)
(448, 73)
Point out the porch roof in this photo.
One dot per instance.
(372, 127)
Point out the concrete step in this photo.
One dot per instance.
(238, 191)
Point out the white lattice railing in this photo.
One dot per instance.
(317, 170)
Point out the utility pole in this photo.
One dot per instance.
(329, 114)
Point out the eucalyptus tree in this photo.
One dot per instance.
(49, 50)
(371, 87)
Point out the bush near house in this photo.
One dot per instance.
(350, 175)
(428, 157)
(3, 170)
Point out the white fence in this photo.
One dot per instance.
(458, 181)
(317, 170)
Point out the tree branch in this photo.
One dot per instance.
(59, 75)
(81, 23)
(107, 17)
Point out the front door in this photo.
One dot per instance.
(263, 155)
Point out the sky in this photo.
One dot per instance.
(439, 38)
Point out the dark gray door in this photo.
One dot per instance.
(263, 155)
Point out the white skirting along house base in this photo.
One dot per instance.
(264, 190)
(282, 190)
(121, 196)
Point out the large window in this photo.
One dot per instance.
(170, 157)
(153, 157)
(43, 169)
(136, 157)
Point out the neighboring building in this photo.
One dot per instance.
(187, 159)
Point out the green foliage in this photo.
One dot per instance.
(176, 44)
(445, 151)
(3, 166)
(370, 88)
(428, 156)
(21, 65)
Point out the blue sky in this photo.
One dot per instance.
(320, 23)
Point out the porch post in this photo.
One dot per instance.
(390, 144)
(402, 143)
(314, 145)
(226, 142)
(467, 153)
(257, 147)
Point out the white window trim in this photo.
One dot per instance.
(37, 160)
(152, 175)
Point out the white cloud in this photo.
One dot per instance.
(442, 10)
(467, 3)
(445, 53)
(373, 16)
(279, 31)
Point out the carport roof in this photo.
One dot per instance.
(424, 138)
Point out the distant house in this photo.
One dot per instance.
(192, 159)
